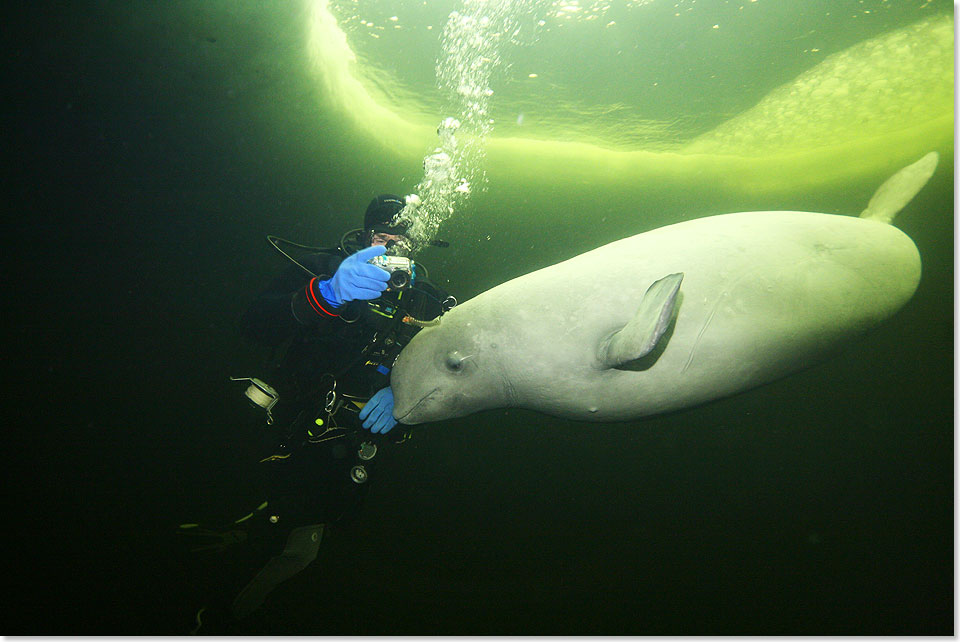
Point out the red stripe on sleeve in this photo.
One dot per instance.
(314, 302)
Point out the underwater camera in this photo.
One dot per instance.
(402, 270)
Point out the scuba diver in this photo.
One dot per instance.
(337, 319)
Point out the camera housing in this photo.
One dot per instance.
(402, 270)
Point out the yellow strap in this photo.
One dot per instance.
(274, 458)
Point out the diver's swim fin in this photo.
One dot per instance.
(300, 550)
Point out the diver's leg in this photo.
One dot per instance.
(299, 551)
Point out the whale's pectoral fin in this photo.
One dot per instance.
(642, 333)
(896, 191)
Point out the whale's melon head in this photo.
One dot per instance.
(449, 370)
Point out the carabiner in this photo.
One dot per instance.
(331, 398)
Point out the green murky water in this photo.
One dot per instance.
(160, 142)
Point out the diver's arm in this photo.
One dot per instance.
(291, 301)
(290, 304)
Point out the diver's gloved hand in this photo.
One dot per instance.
(377, 415)
(356, 279)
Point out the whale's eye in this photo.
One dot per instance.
(455, 361)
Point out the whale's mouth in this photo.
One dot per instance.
(416, 405)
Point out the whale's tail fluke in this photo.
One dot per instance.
(897, 190)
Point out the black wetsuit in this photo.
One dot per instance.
(315, 444)
(311, 471)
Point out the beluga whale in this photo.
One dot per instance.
(670, 318)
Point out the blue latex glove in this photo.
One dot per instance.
(377, 415)
(356, 279)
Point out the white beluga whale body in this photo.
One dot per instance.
(670, 318)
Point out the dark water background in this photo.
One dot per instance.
(142, 188)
